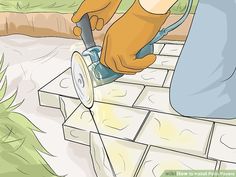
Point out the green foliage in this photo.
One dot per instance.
(70, 6)
(19, 146)
(181, 5)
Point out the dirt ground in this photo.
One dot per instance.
(60, 25)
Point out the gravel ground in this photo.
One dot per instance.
(32, 62)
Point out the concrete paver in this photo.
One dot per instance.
(223, 146)
(117, 121)
(115, 93)
(125, 110)
(118, 93)
(155, 98)
(176, 132)
(149, 77)
(172, 50)
(165, 62)
(125, 156)
(158, 160)
(158, 48)
(227, 166)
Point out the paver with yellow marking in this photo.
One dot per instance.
(125, 156)
(176, 132)
(112, 120)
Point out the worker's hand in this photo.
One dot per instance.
(127, 36)
(100, 12)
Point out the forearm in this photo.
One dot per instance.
(157, 6)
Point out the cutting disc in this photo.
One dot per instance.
(81, 79)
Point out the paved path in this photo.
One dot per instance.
(134, 114)
(142, 133)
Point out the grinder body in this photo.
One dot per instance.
(99, 73)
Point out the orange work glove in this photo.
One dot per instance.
(100, 13)
(127, 36)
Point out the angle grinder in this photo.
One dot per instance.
(85, 78)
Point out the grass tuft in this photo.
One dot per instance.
(19, 147)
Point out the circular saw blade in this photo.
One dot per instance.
(81, 79)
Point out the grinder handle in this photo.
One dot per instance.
(86, 31)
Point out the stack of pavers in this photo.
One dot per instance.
(142, 133)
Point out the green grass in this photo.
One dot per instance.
(68, 6)
(19, 147)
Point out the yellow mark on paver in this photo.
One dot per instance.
(124, 156)
(108, 118)
(167, 130)
(121, 158)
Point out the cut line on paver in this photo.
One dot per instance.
(113, 120)
(132, 154)
(55, 78)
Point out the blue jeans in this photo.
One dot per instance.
(204, 83)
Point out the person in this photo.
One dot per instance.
(129, 34)
(204, 81)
